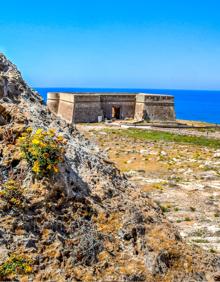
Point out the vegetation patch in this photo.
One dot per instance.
(200, 241)
(43, 150)
(149, 135)
(187, 219)
(15, 265)
(12, 194)
(165, 208)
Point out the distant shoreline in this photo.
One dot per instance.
(191, 105)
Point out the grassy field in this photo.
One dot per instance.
(146, 135)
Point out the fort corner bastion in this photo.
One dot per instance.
(78, 107)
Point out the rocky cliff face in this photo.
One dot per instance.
(87, 222)
(11, 83)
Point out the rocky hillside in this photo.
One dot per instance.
(80, 220)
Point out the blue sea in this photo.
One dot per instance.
(198, 105)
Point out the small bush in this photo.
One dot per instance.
(201, 241)
(15, 265)
(43, 150)
(164, 208)
(12, 194)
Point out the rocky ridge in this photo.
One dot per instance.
(87, 222)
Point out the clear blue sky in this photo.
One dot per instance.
(114, 43)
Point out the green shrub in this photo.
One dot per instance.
(164, 209)
(43, 150)
(15, 265)
(12, 193)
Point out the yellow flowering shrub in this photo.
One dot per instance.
(43, 150)
(11, 193)
(15, 265)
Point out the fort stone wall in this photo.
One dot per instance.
(155, 107)
(125, 104)
(87, 107)
(53, 100)
(61, 104)
(66, 107)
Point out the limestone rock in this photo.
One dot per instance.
(12, 85)
(3, 254)
(216, 154)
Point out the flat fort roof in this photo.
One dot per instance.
(110, 93)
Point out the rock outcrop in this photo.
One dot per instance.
(87, 222)
(12, 85)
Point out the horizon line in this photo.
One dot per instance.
(131, 88)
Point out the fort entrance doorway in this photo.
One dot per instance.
(116, 112)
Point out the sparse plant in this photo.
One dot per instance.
(162, 158)
(164, 209)
(158, 186)
(175, 178)
(15, 265)
(199, 233)
(12, 194)
(200, 241)
(43, 150)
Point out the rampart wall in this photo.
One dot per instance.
(87, 107)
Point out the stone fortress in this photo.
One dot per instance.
(77, 107)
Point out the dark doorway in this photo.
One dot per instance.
(116, 112)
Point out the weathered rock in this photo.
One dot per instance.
(31, 243)
(217, 276)
(216, 154)
(3, 254)
(162, 263)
